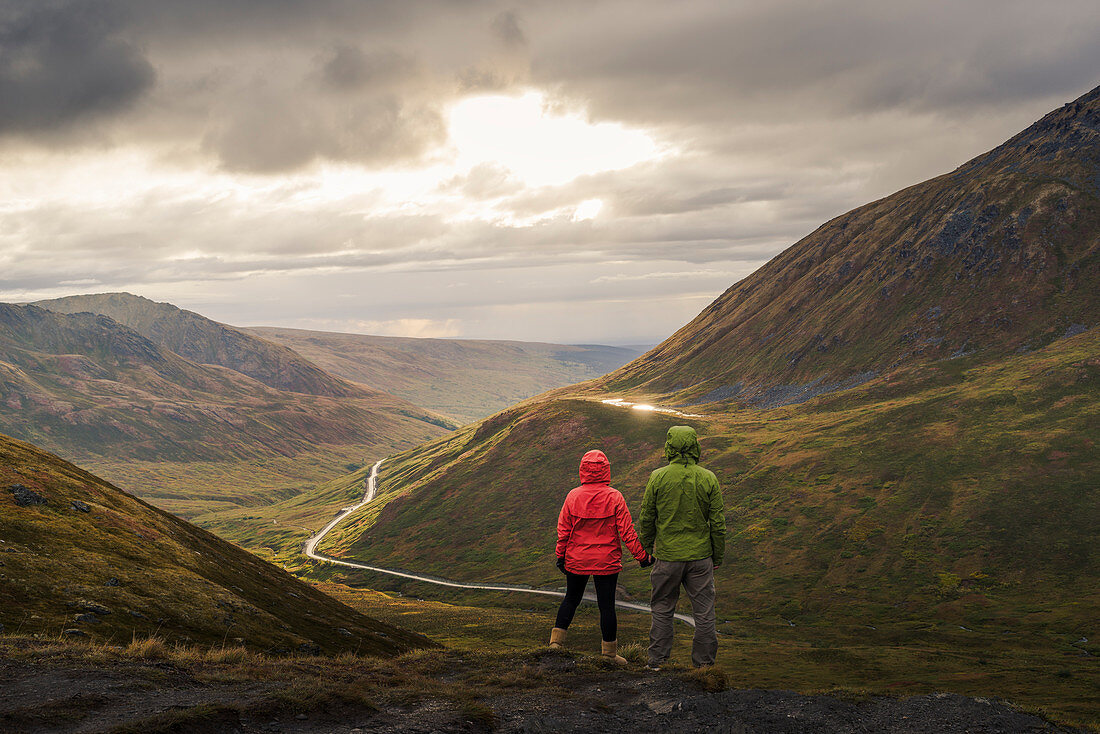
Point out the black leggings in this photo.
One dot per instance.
(605, 599)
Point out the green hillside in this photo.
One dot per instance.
(954, 489)
(80, 558)
(277, 530)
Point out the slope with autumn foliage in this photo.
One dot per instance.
(82, 558)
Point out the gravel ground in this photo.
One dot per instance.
(151, 697)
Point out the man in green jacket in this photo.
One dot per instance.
(683, 525)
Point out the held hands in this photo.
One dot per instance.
(644, 563)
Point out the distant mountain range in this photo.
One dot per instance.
(466, 379)
(203, 341)
(204, 419)
(189, 436)
(901, 408)
(83, 559)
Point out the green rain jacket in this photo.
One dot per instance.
(683, 518)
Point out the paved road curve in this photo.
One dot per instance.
(310, 549)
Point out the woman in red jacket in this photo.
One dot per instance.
(592, 525)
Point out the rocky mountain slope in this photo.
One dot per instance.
(96, 391)
(204, 341)
(1000, 255)
(466, 379)
(80, 558)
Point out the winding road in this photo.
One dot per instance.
(310, 550)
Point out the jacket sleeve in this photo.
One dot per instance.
(565, 529)
(647, 521)
(626, 530)
(717, 522)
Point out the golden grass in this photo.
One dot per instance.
(148, 648)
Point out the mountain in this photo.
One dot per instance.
(953, 485)
(188, 436)
(1000, 255)
(204, 341)
(466, 379)
(82, 558)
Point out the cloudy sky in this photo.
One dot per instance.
(562, 170)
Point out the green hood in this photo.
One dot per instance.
(682, 445)
(683, 516)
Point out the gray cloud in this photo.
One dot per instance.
(260, 86)
(348, 68)
(507, 28)
(775, 116)
(64, 63)
(708, 61)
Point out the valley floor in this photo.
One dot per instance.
(51, 687)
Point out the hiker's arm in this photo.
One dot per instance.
(647, 520)
(717, 523)
(626, 531)
(565, 529)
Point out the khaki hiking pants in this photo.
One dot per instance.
(697, 578)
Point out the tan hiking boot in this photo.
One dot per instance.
(610, 650)
(557, 638)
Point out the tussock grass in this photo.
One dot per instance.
(633, 652)
(478, 713)
(710, 678)
(149, 648)
(467, 680)
(852, 695)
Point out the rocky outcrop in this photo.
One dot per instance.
(25, 497)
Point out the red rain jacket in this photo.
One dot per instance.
(594, 521)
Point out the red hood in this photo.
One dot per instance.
(595, 468)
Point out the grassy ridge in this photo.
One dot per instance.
(953, 494)
(100, 561)
(204, 341)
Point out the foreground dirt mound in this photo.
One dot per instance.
(49, 688)
(658, 706)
